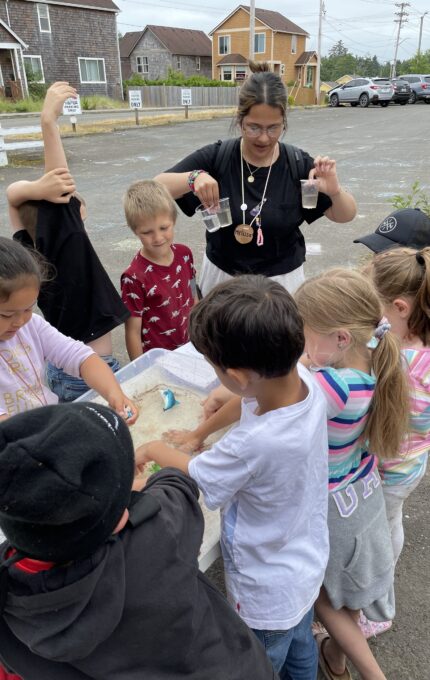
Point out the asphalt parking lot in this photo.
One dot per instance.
(379, 153)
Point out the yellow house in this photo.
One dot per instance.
(344, 79)
(327, 85)
(278, 41)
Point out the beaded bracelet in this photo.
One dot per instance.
(192, 178)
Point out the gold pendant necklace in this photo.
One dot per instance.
(39, 387)
(244, 233)
(251, 177)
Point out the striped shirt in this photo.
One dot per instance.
(411, 463)
(348, 394)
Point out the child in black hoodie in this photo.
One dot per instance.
(99, 581)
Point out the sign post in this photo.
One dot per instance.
(72, 108)
(135, 101)
(186, 100)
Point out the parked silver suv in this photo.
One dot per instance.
(420, 86)
(362, 92)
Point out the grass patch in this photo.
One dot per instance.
(115, 124)
(22, 106)
(95, 102)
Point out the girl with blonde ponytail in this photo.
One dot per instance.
(357, 362)
(402, 279)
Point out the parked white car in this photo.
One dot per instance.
(362, 92)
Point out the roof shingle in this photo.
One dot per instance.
(183, 41)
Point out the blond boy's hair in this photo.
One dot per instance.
(147, 199)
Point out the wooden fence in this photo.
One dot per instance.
(170, 95)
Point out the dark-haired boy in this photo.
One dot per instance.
(269, 473)
(98, 581)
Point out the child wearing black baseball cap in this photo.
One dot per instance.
(408, 227)
(96, 580)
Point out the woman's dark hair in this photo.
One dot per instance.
(249, 322)
(17, 268)
(261, 87)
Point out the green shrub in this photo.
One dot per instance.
(291, 100)
(95, 101)
(177, 78)
(417, 198)
(37, 91)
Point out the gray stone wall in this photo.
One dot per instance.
(75, 32)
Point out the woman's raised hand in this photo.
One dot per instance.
(324, 171)
(206, 189)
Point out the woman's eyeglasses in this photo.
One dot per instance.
(257, 130)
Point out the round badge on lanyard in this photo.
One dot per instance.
(243, 233)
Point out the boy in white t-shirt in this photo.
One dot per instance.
(268, 474)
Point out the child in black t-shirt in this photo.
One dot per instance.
(80, 299)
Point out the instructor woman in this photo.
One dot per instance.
(262, 182)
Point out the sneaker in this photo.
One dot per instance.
(373, 628)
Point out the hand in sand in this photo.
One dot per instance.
(184, 440)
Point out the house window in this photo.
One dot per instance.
(33, 68)
(240, 73)
(223, 44)
(197, 63)
(142, 65)
(309, 76)
(178, 63)
(43, 15)
(92, 70)
(226, 73)
(259, 43)
(293, 44)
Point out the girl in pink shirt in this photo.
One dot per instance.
(27, 341)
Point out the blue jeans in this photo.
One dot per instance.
(67, 387)
(293, 652)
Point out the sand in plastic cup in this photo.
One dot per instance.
(309, 193)
(216, 216)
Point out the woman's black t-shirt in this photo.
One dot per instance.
(284, 248)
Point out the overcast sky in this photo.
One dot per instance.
(364, 26)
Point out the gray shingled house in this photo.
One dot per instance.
(154, 50)
(74, 40)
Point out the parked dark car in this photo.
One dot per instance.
(402, 90)
(420, 87)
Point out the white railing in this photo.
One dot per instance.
(14, 145)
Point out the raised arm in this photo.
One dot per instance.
(55, 186)
(52, 109)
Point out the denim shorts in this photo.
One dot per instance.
(293, 652)
(69, 388)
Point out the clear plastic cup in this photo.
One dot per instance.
(216, 216)
(309, 193)
(223, 212)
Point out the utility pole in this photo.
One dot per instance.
(401, 20)
(318, 70)
(251, 30)
(421, 32)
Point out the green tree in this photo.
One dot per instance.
(338, 50)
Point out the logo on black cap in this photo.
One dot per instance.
(387, 225)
